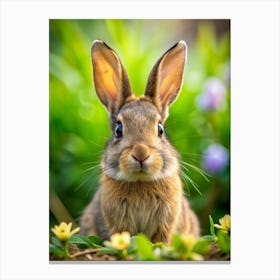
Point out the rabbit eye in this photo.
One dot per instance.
(118, 130)
(160, 130)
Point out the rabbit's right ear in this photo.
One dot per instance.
(166, 78)
(110, 79)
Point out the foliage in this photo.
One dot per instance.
(139, 248)
(199, 119)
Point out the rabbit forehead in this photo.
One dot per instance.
(140, 113)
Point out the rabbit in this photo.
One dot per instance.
(140, 187)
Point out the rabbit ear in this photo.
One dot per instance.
(110, 79)
(166, 77)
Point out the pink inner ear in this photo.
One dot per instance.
(108, 79)
(170, 75)
(107, 74)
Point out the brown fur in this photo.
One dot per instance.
(140, 188)
(156, 209)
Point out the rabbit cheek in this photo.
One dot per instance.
(156, 165)
(125, 164)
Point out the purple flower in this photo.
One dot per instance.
(215, 159)
(213, 96)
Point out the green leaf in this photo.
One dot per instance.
(224, 241)
(144, 248)
(109, 251)
(81, 240)
(95, 240)
(177, 243)
(212, 228)
(201, 246)
(55, 241)
(209, 238)
(56, 251)
(132, 247)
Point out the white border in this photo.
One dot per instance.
(254, 146)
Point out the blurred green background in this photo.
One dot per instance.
(199, 121)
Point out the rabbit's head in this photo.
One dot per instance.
(138, 149)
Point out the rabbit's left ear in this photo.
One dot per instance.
(110, 78)
(166, 78)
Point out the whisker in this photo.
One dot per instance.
(204, 174)
(89, 178)
(192, 154)
(188, 193)
(82, 184)
(92, 168)
(188, 179)
(89, 163)
(184, 167)
(88, 192)
(92, 142)
(195, 185)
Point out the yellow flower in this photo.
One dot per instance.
(63, 231)
(224, 223)
(189, 240)
(120, 241)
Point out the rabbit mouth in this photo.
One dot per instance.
(139, 175)
(135, 168)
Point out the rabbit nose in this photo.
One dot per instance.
(140, 160)
(140, 153)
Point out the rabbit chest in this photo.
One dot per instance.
(146, 207)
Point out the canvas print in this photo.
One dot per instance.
(139, 115)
